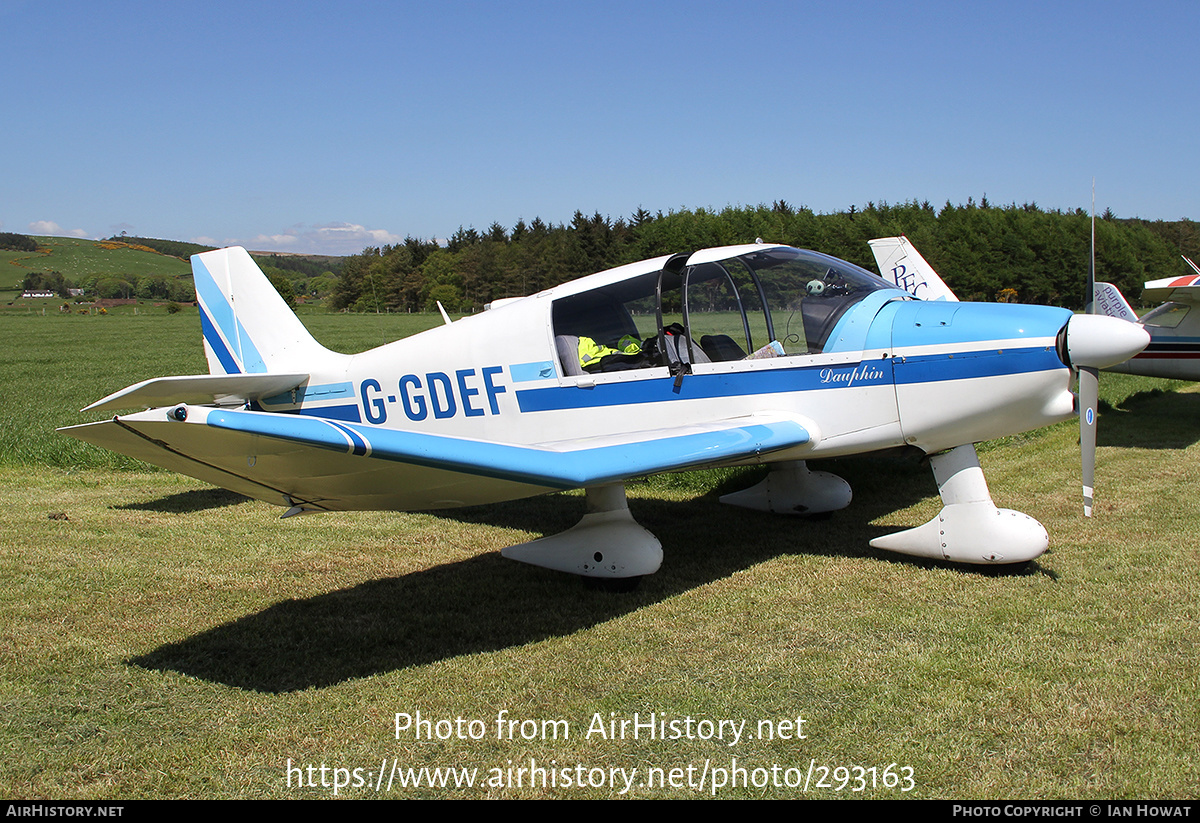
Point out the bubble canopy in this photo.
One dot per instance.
(726, 305)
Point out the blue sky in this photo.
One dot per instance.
(322, 127)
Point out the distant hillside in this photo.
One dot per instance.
(80, 260)
(310, 265)
(174, 248)
(101, 268)
(149, 268)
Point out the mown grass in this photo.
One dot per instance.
(163, 639)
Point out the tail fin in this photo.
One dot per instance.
(903, 265)
(248, 329)
(1107, 299)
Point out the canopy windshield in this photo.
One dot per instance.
(790, 296)
(774, 302)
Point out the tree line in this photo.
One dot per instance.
(17, 242)
(980, 250)
(983, 252)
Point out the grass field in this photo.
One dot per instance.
(159, 638)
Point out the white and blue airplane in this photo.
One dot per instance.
(729, 356)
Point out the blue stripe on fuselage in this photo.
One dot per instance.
(310, 394)
(922, 369)
(524, 372)
(350, 414)
(936, 368)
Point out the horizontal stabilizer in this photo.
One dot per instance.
(199, 389)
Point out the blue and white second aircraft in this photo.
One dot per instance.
(728, 356)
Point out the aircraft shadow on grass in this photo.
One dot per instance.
(187, 502)
(487, 603)
(1156, 419)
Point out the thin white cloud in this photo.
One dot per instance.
(49, 227)
(270, 242)
(331, 238)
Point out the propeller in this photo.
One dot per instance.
(1089, 388)
(1094, 342)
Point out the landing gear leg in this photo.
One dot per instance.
(791, 488)
(969, 528)
(606, 544)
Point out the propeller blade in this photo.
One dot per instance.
(1089, 399)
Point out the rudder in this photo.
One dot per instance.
(247, 326)
(900, 263)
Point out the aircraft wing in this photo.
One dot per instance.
(1178, 289)
(326, 464)
(215, 389)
